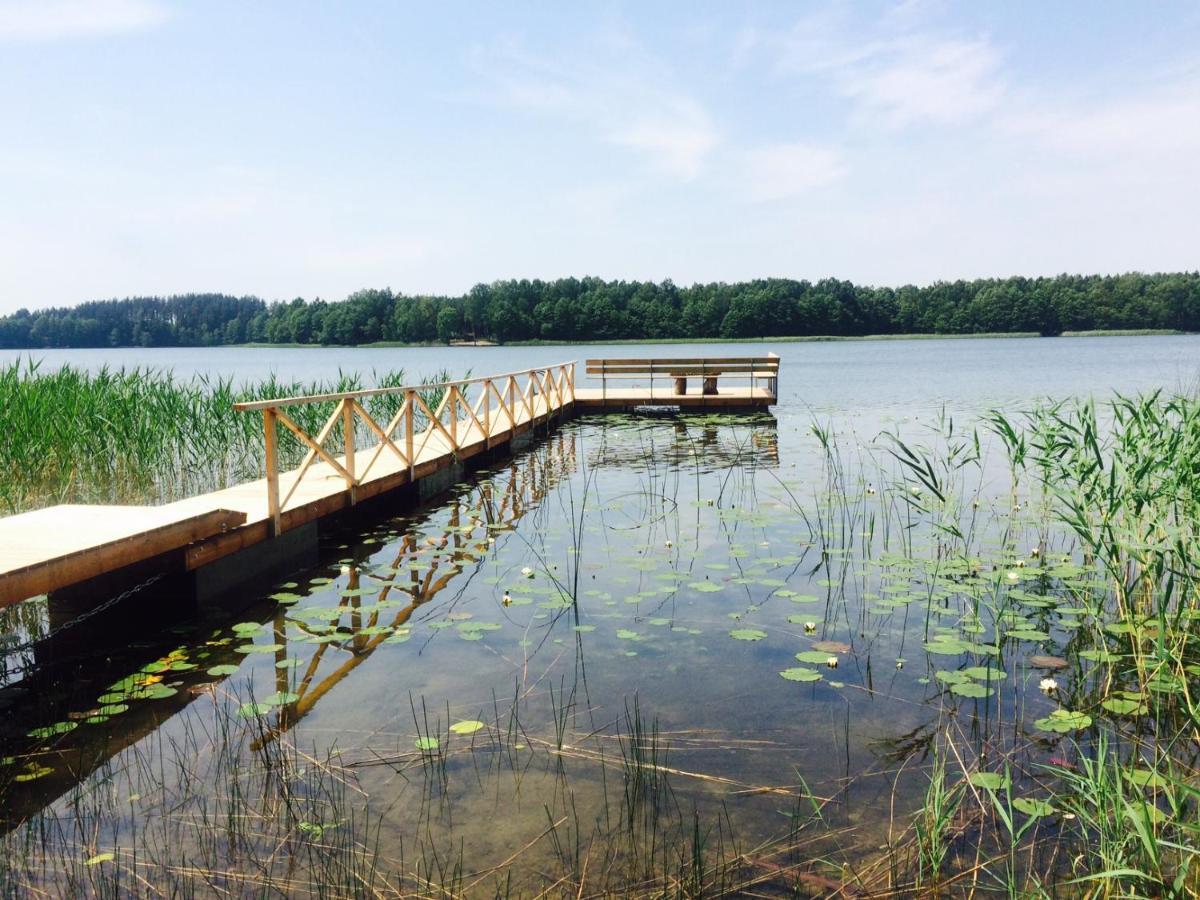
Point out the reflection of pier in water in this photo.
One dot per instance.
(460, 545)
(712, 442)
(505, 493)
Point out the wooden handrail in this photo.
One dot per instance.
(381, 392)
(447, 427)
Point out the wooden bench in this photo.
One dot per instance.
(708, 369)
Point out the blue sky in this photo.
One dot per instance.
(305, 149)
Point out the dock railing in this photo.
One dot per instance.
(470, 410)
(708, 370)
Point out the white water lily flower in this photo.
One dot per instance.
(810, 626)
(1013, 576)
(345, 570)
(506, 599)
(832, 662)
(669, 545)
(1020, 563)
(1035, 552)
(1047, 685)
(527, 572)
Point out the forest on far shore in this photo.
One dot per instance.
(592, 309)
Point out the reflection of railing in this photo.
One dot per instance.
(415, 434)
(529, 481)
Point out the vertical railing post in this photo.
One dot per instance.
(271, 435)
(512, 402)
(452, 406)
(348, 433)
(410, 403)
(487, 415)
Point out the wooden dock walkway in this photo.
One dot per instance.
(353, 457)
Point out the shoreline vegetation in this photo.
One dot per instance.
(592, 310)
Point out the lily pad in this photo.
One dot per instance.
(1063, 721)
(259, 648)
(992, 781)
(467, 726)
(831, 647)
(747, 634)
(427, 743)
(812, 656)
(1033, 808)
(971, 689)
(800, 673)
(1043, 661)
(221, 670)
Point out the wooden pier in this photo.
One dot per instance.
(355, 456)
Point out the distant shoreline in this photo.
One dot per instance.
(633, 342)
(794, 339)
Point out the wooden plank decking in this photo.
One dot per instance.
(52, 548)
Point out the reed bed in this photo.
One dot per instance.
(147, 436)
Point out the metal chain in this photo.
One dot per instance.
(83, 617)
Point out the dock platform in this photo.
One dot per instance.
(352, 458)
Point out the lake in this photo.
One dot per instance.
(706, 654)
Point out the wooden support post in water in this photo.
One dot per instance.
(271, 434)
(487, 414)
(348, 429)
(410, 402)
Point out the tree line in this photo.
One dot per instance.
(592, 309)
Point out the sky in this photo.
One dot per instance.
(289, 149)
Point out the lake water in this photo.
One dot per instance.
(634, 650)
(842, 377)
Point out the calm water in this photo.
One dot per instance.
(455, 688)
(890, 377)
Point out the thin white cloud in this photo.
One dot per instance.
(897, 72)
(49, 20)
(783, 171)
(915, 81)
(616, 92)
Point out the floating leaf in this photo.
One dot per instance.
(1123, 706)
(747, 634)
(971, 689)
(1042, 661)
(812, 656)
(831, 646)
(1062, 721)
(53, 730)
(705, 587)
(985, 673)
(259, 648)
(1033, 808)
(427, 743)
(800, 673)
(250, 710)
(992, 781)
(467, 726)
(281, 698)
(99, 858)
